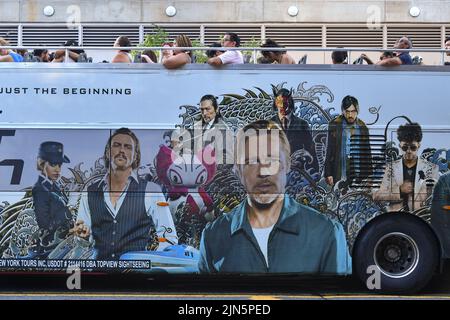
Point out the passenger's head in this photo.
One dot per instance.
(151, 54)
(209, 108)
(50, 159)
(339, 57)
(271, 55)
(262, 161)
(231, 39)
(3, 43)
(183, 41)
(214, 53)
(42, 54)
(122, 42)
(73, 43)
(350, 109)
(409, 136)
(122, 150)
(447, 45)
(403, 43)
(283, 102)
(386, 55)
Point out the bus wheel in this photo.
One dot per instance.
(398, 247)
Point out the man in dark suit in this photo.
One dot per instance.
(296, 129)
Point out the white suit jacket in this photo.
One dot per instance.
(393, 179)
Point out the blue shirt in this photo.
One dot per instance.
(16, 57)
(302, 241)
(405, 58)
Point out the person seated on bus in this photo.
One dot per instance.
(339, 57)
(400, 58)
(7, 55)
(384, 55)
(73, 54)
(175, 58)
(213, 52)
(406, 181)
(269, 231)
(122, 209)
(53, 216)
(280, 57)
(122, 56)
(230, 40)
(42, 54)
(149, 56)
(447, 47)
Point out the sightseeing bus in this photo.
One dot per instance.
(244, 169)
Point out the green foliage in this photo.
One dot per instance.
(200, 55)
(156, 39)
(248, 54)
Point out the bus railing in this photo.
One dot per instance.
(254, 50)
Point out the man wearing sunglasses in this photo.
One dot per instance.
(407, 182)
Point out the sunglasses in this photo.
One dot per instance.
(409, 146)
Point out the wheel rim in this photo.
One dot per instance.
(396, 255)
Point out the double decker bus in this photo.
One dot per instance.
(243, 169)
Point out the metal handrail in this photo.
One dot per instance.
(254, 50)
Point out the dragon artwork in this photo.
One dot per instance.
(221, 190)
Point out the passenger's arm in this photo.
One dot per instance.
(73, 55)
(366, 58)
(216, 61)
(390, 62)
(176, 61)
(6, 58)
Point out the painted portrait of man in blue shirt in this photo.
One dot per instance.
(269, 232)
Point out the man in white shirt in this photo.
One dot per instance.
(230, 40)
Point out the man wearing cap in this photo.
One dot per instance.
(50, 203)
(123, 209)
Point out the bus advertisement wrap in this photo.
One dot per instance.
(221, 171)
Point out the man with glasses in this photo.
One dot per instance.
(230, 40)
(407, 182)
(338, 163)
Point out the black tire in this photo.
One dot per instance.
(404, 249)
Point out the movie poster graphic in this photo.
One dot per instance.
(275, 181)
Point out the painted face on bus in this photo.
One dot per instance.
(282, 104)
(52, 170)
(264, 172)
(409, 150)
(350, 114)
(122, 152)
(207, 110)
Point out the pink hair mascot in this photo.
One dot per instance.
(185, 176)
